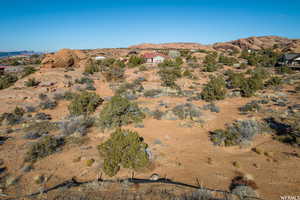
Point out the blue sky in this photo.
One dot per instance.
(48, 25)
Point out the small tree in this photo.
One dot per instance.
(118, 112)
(124, 148)
(215, 89)
(84, 103)
(7, 80)
(169, 72)
(135, 61)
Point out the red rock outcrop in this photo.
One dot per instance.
(64, 58)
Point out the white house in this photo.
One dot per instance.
(154, 57)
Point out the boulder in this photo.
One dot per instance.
(64, 58)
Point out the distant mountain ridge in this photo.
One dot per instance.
(16, 53)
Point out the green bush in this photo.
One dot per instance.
(251, 85)
(14, 117)
(214, 90)
(169, 72)
(112, 69)
(273, 81)
(7, 80)
(261, 58)
(32, 82)
(84, 80)
(240, 132)
(84, 103)
(91, 68)
(235, 80)
(211, 58)
(227, 60)
(125, 149)
(118, 112)
(260, 73)
(28, 70)
(287, 129)
(210, 62)
(253, 106)
(44, 147)
(135, 61)
(179, 61)
(284, 70)
(143, 68)
(209, 67)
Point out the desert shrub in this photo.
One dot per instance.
(43, 96)
(84, 103)
(135, 61)
(44, 147)
(91, 68)
(90, 87)
(212, 107)
(84, 80)
(227, 60)
(235, 80)
(188, 73)
(211, 58)
(68, 95)
(32, 82)
(38, 129)
(261, 58)
(287, 130)
(169, 72)
(250, 85)
(7, 80)
(157, 114)
(214, 90)
(124, 148)
(210, 62)
(240, 132)
(179, 61)
(143, 68)
(119, 111)
(273, 81)
(152, 93)
(28, 70)
(253, 106)
(209, 67)
(187, 111)
(130, 90)
(200, 194)
(112, 69)
(14, 117)
(42, 116)
(242, 181)
(284, 70)
(78, 124)
(260, 73)
(48, 104)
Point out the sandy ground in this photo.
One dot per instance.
(182, 155)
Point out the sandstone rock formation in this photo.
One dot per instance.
(258, 43)
(65, 58)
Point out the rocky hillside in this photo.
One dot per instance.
(179, 45)
(255, 43)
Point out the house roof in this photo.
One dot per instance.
(291, 56)
(152, 55)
